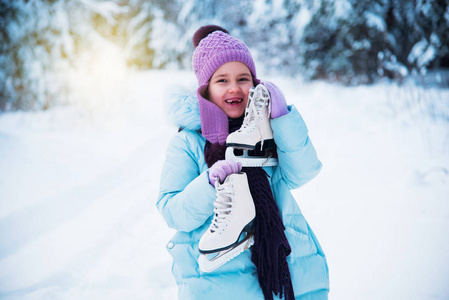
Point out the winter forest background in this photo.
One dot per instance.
(85, 88)
(48, 47)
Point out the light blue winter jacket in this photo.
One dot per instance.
(186, 202)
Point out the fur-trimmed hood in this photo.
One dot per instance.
(183, 110)
(191, 111)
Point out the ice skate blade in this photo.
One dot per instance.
(240, 146)
(246, 233)
(250, 161)
(208, 265)
(267, 144)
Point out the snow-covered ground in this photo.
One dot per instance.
(78, 187)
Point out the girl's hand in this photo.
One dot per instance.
(278, 102)
(222, 168)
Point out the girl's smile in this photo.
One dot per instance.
(234, 101)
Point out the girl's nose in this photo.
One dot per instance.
(234, 87)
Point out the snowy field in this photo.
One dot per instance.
(78, 187)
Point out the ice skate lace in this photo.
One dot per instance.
(259, 97)
(222, 204)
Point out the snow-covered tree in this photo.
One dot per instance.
(34, 33)
(346, 41)
(272, 31)
(429, 47)
(174, 25)
(136, 26)
(359, 41)
(40, 43)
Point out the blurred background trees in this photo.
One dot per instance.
(47, 47)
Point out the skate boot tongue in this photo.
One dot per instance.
(222, 204)
(250, 112)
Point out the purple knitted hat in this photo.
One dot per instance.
(215, 47)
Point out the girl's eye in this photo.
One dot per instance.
(244, 79)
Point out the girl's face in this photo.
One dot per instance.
(229, 88)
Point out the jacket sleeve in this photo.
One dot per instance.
(298, 161)
(185, 197)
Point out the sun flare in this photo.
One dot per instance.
(99, 75)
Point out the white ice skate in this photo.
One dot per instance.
(231, 231)
(255, 131)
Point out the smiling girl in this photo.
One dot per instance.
(225, 71)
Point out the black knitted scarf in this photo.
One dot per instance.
(271, 248)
